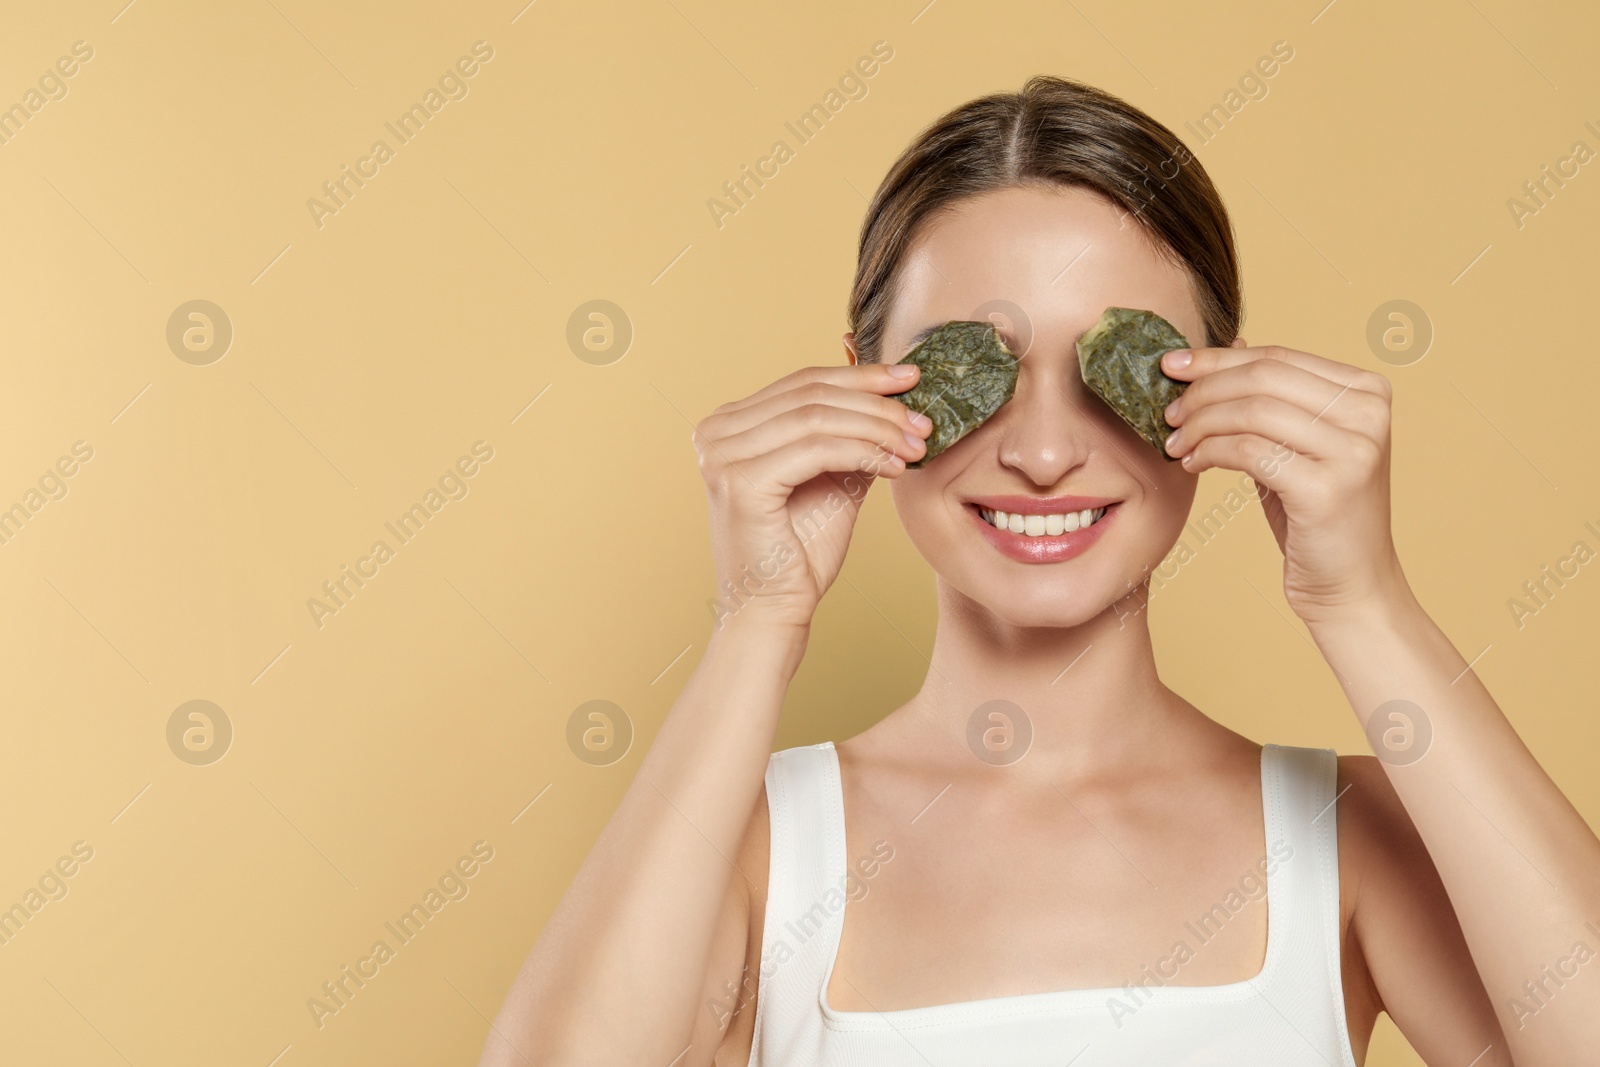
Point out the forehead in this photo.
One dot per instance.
(1061, 254)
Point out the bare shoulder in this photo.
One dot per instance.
(727, 1020)
(1375, 830)
(753, 861)
(1383, 863)
(1403, 949)
(1381, 855)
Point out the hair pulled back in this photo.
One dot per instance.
(1054, 132)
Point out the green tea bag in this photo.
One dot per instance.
(1120, 360)
(967, 373)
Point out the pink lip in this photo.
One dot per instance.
(1046, 549)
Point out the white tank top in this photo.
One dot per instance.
(1290, 1014)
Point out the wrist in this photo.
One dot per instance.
(1377, 592)
(1391, 609)
(775, 644)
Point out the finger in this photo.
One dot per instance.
(1263, 416)
(725, 423)
(863, 377)
(810, 420)
(1204, 361)
(800, 461)
(1253, 454)
(1319, 397)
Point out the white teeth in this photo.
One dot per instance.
(1042, 525)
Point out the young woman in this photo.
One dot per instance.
(1047, 856)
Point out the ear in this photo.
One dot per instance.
(850, 347)
(1239, 342)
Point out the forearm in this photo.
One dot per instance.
(1520, 865)
(616, 974)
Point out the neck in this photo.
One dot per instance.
(1090, 692)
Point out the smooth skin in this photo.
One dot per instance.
(1132, 811)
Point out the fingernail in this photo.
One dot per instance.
(911, 439)
(1172, 409)
(920, 421)
(1178, 358)
(1172, 440)
(902, 370)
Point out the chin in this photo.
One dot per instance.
(1071, 608)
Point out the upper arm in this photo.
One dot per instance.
(725, 1009)
(1416, 964)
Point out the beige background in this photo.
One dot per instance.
(368, 354)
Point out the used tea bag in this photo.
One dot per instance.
(967, 373)
(1120, 360)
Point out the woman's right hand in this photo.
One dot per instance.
(786, 469)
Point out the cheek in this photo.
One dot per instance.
(914, 496)
(1161, 520)
(1174, 493)
(919, 500)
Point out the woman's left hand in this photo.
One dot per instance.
(1314, 434)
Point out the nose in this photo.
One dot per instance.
(1045, 433)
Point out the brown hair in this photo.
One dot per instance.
(1054, 132)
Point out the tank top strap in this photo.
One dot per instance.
(806, 883)
(1300, 802)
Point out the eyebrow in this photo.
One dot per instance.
(921, 336)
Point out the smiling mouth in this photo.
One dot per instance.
(1042, 525)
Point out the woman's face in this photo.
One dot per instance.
(1047, 261)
